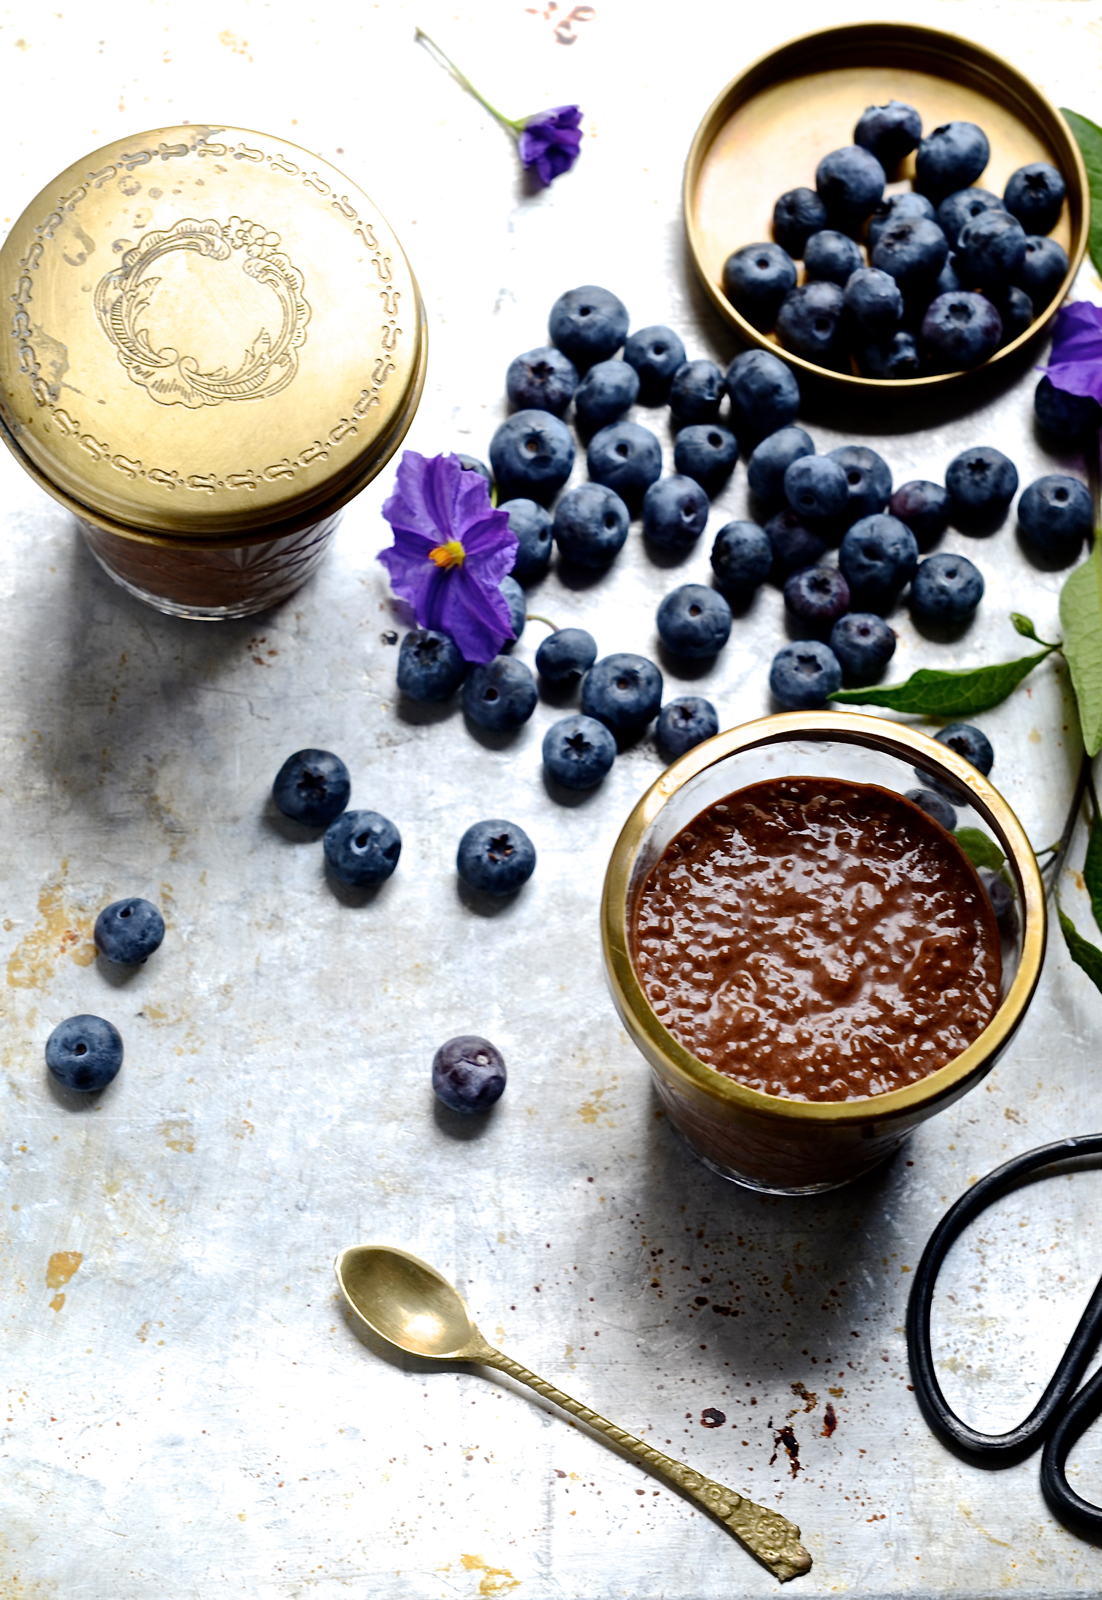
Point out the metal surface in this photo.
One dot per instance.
(188, 1412)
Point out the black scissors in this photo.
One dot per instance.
(1061, 1415)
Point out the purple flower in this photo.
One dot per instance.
(550, 142)
(451, 550)
(1075, 363)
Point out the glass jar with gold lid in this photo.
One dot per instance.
(215, 341)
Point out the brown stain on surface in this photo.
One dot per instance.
(496, 1580)
(60, 931)
(179, 1136)
(830, 1420)
(61, 1266)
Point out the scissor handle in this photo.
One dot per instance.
(1056, 1409)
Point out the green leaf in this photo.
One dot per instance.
(1088, 136)
(962, 693)
(1082, 952)
(1081, 616)
(980, 848)
(1092, 869)
(1025, 627)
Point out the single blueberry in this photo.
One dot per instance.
(810, 322)
(981, 484)
(84, 1053)
(804, 675)
(864, 644)
(1042, 271)
(990, 251)
(128, 931)
(771, 460)
(796, 216)
(495, 856)
(894, 359)
(1056, 514)
(756, 280)
(970, 742)
(625, 457)
(951, 157)
(313, 786)
(924, 507)
(624, 691)
(591, 524)
(468, 1073)
(706, 452)
(904, 207)
(832, 257)
(541, 380)
(960, 331)
(999, 892)
(683, 724)
(946, 588)
(764, 394)
(742, 558)
(934, 805)
(1064, 415)
(695, 392)
(868, 480)
(588, 325)
(655, 353)
(500, 694)
(1034, 194)
(1015, 310)
(531, 453)
(913, 252)
(816, 487)
(362, 848)
(532, 526)
(473, 464)
(694, 621)
(605, 393)
(889, 132)
(817, 596)
(878, 557)
(517, 601)
(794, 545)
(850, 182)
(958, 209)
(578, 751)
(430, 667)
(947, 280)
(874, 301)
(566, 654)
(675, 511)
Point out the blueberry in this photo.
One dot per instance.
(517, 601)
(771, 460)
(1034, 194)
(655, 353)
(1015, 310)
(532, 526)
(796, 216)
(817, 596)
(946, 588)
(468, 1073)
(684, 723)
(742, 558)
(924, 507)
(605, 393)
(803, 675)
(990, 251)
(864, 644)
(970, 742)
(566, 654)
(810, 323)
(84, 1053)
(934, 805)
(313, 786)
(531, 453)
(694, 621)
(625, 457)
(675, 511)
(999, 892)
(588, 324)
(960, 331)
(1064, 415)
(362, 848)
(889, 132)
(623, 691)
(878, 556)
(1056, 515)
(947, 281)
(473, 464)
(591, 524)
(706, 452)
(906, 207)
(894, 359)
(495, 856)
(695, 392)
(764, 394)
(913, 252)
(815, 487)
(850, 182)
(794, 545)
(874, 301)
(831, 257)
(541, 380)
(868, 480)
(578, 751)
(756, 280)
(500, 695)
(1042, 271)
(981, 484)
(958, 209)
(128, 931)
(950, 158)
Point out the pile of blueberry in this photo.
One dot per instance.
(949, 272)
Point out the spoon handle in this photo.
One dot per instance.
(765, 1533)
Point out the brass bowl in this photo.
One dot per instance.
(769, 128)
(770, 1142)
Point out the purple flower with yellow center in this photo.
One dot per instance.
(451, 550)
(548, 143)
(1075, 361)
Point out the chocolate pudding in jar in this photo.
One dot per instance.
(216, 341)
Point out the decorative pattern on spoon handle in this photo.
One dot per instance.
(765, 1533)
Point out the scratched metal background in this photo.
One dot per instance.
(187, 1412)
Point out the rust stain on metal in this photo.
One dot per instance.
(61, 1266)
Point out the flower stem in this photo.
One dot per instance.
(421, 37)
(1056, 864)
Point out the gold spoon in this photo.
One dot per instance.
(407, 1303)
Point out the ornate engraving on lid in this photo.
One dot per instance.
(137, 310)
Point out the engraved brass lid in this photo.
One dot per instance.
(213, 335)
